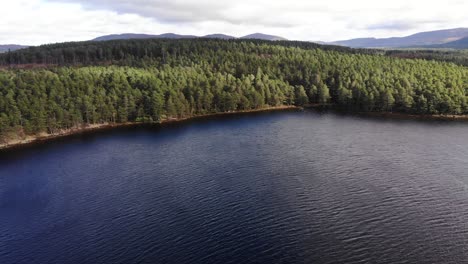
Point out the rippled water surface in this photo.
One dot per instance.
(284, 187)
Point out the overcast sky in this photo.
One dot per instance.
(33, 22)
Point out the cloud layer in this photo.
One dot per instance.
(65, 20)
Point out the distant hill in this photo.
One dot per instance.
(123, 36)
(419, 39)
(141, 36)
(457, 44)
(263, 37)
(219, 36)
(176, 36)
(11, 47)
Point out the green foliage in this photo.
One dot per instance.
(459, 57)
(301, 96)
(154, 80)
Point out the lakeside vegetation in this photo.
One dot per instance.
(54, 87)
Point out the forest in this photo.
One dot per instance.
(459, 57)
(54, 87)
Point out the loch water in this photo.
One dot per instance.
(278, 187)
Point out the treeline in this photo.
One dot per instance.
(459, 57)
(48, 100)
(151, 51)
(183, 78)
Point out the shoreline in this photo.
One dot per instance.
(416, 116)
(392, 115)
(42, 137)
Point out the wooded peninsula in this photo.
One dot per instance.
(57, 87)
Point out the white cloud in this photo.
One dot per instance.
(45, 21)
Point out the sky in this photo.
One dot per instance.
(34, 22)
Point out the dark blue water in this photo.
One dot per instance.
(289, 187)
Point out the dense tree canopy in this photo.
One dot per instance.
(151, 80)
(133, 51)
(459, 57)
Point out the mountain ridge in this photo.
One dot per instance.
(219, 36)
(179, 36)
(11, 47)
(425, 38)
(455, 38)
(457, 44)
(263, 36)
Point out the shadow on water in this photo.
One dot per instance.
(383, 117)
(91, 136)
